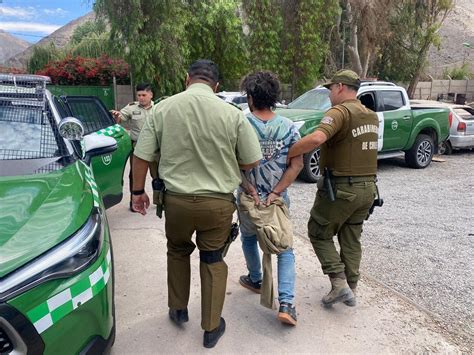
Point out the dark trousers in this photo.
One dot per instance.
(211, 219)
(343, 217)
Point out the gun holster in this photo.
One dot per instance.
(234, 232)
(328, 185)
(378, 202)
(158, 195)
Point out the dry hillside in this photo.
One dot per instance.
(457, 29)
(60, 38)
(10, 45)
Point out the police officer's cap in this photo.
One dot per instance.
(344, 76)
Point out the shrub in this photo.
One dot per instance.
(86, 71)
(458, 73)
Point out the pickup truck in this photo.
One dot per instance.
(414, 132)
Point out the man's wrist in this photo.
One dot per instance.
(138, 192)
(275, 193)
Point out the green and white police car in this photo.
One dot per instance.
(61, 165)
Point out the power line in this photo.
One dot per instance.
(24, 34)
(49, 36)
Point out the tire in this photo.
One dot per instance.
(445, 148)
(310, 172)
(420, 154)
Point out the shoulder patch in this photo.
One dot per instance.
(327, 120)
(131, 103)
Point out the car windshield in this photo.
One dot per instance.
(29, 139)
(316, 99)
(464, 113)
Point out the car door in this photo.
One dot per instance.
(397, 118)
(108, 169)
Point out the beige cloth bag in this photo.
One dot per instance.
(274, 235)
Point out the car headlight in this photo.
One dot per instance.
(68, 258)
(299, 124)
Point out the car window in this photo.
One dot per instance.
(28, 131)
(392, 100)
(464, 113)
(91, 112)
(317, 99)
(240, 100)
(368, 100)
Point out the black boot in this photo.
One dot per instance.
(179, 316)
(212, 337)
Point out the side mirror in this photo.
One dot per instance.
(71, 129)
(98, 144)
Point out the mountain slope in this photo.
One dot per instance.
(457, 29)
(60, 38)
(10, 45)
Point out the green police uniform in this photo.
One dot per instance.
(201, 141)
(134, 116)
(350, 153)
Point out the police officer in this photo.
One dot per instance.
(134, 116)
(203, 143)
(348, 135)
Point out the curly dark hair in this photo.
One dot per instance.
(263, 87)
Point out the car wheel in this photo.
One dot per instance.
(445, 148)
(420, 154)
(310, 172)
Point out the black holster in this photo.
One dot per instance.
(378, 202)
(234, 232)
(329, 185)
(159, 195)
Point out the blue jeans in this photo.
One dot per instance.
(286, 267)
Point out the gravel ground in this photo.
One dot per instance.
(420, 243)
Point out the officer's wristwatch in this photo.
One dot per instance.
(138, 192)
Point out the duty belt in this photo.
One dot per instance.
(222, 196)
(353, 179)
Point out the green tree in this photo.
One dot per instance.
(90, 40)
(263, 26)
(458, 73)
(151, 35)
(414, 27)
(214, 30)
(42, 55)
(88, 29)
(305, 40)
(93, 46)
(367, 27)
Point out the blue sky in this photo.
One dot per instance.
(33, 19)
